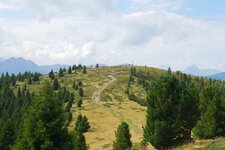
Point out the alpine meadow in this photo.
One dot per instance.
(112, 75)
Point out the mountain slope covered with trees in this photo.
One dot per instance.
(126, 107)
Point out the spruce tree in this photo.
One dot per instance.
(84, 70)
(44, 126)
(68, 106)
(97, 65)
(82, 124)
(74, 67)
(61, 72)
(29, 80)
(51, 74)
(79, 103)
(81, 92)
(123, 138)
(79, 141)
(7, 135)
(69, 70)
(55, 84)
(168, 120)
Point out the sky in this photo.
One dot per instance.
(176, 33)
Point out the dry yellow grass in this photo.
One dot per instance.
(106, 110)
(105, 116)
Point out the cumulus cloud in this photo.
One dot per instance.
(74, 31)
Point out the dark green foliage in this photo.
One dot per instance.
(133, 71)
(65, 95)
(44, 126)
(82, 124)
(55, 84)
(29, 80)
(7, 135)
(74, 84)
(69, 70)
(81, 92)
(123, 138)
(79, 141)
(61, 74)
(79, 103)
(69, 117)
(206, 127)
(134, 98)
(51, 75)
(168, 121)
(79, 66)
(74, 67)
(84, 70)
(169, 70)
(64, 69)
(80, 84)
(212, 110)
(69, 105)
(36, 77)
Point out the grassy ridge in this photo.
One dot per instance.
(113, 106)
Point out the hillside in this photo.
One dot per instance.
(106, 104)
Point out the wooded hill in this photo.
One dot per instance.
(127, 107)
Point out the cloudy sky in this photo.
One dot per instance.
(175, 33)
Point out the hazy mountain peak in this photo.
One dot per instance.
(20, 65)
(195, 70)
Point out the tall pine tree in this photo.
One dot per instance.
(44, 126)
(123, 138)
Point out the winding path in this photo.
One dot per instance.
(96, 95)
(96, 98)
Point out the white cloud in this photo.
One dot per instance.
(157, 5)
(89, 32)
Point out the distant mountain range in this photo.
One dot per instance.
(21, 65)
(219, 76)
(195, 70)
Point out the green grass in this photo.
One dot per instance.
(217, 144)
(114, 106)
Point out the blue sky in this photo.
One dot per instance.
(175, 33)
(204, 8)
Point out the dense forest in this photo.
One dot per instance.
(180, 107)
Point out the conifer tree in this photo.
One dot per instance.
(68, 106)
(168, 120)
(82, 124)
(79, 66)
(79, 141)
(61, 72)
(55, 84)
(44, 126)
(74, 67)
(123, 138)
(79, 103)
(7, 135)
(69, 117)
(36, 77)
(51, 74)
(29, 80)
(69, 70)
(84, 70)
(97, 65)
(74, 84)
(81, 92)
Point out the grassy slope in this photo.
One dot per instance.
(110, 105)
